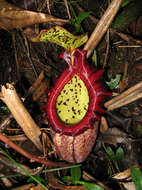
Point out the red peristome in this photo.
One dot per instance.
(97, 93)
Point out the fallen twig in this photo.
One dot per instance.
(17, 138)
(125, 37)
(102, 26)
(9, 96)
(18, 170)
(67, 7)
(128, 96)
(107, 49)
(27, 155)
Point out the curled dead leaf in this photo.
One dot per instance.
(103, 125)
(14, 17)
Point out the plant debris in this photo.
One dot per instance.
(28, 70)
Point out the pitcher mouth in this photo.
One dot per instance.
(74, 103)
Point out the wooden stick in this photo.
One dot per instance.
(102, 26)
(9, 96)
(125, 98)
(67, 7)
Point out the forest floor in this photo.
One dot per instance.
(119, 142)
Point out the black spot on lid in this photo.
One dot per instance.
(79, 112)
(65, 103)
(60, 103)
(79, 85)
(85, 108)
(72, 108)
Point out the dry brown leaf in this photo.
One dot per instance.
(38, 187)
(114, 136)
(14, 17)
(103, 125)
(125, 174)
(24, 187)
(129, 186)
(7, 183)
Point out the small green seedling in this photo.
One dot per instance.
(76, 22)
(113, 81)
(76, 176)
(115, 157)
(125, 3)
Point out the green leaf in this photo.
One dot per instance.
(82, 16)
(77, 28)
(125, 3)
(136, 177)
(111, 153)
(114, 82)
(61, 37)
(75, 174)
(65, 179)
(109, 75)
(90, 186)
(119, 154)
(73, 20)
(40, 179)
(76, 22)
(61, 168)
